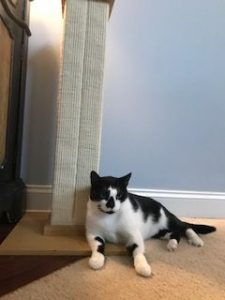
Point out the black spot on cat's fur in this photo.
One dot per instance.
(131, 248)
(176, 236)
(173, 235)
(133, 202)
(174, 224)
(101, 248)
(161, 234)
(148, 206)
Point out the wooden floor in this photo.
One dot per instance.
(16, 271)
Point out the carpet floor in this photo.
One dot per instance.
(189, 273)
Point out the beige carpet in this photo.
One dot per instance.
(188, 274)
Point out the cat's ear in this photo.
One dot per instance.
(125, 179)
(94, 177)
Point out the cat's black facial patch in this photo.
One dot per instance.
(110, 203)
(100, 187)
(99, 192)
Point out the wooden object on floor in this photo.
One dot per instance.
(13, 56)
(27, 238)
(64, 230)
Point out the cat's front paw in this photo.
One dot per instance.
(96, 261)
(172, 245)
(141, 265)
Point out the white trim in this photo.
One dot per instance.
(37, 188)
(188, 203)
(178, 194)
(38, 211)
(38, 197)
(181, 203)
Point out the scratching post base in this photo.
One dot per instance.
(28, 238)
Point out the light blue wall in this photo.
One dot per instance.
(164, 96)
(41, 92)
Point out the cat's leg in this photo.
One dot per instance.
(97, 245)
(193, 238)
(135, 246)
(174, 239)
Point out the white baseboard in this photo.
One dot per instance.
(188, 203)
(181, 203)
(38, 197)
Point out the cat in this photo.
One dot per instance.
(114, 215)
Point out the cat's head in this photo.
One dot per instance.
(108, 192)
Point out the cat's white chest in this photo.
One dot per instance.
(103, 224)
(108, 225)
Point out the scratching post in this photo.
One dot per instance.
(79, 109)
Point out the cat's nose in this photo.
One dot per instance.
(110, 203)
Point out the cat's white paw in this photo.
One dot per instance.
(143, 270)
(196, 242)
(193, 238)
(172, 245)
(96, 261)
(141, 265)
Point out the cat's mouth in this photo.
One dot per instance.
(110, 212)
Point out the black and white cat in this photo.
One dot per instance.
(117, 216)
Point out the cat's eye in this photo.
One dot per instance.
(103, 195)
(119, 195)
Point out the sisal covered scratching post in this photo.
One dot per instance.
(79, 109)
